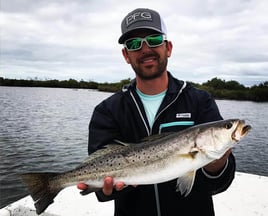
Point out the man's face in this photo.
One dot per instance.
(148, 63)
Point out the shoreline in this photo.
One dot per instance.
(247, 196)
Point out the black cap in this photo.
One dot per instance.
(141, 18)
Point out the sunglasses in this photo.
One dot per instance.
(133, 44)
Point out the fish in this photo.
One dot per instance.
(156, 159)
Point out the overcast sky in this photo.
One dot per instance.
(62, 39)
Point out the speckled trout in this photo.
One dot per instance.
(156, 159)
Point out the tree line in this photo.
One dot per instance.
(220, 89)
(233, 90)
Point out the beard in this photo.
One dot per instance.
(153, 72)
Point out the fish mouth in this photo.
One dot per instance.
(240, 131)
(246, 129)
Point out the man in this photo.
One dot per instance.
(153, 103)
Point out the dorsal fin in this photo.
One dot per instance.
(118, 142)
(113, 147)
(156, 137)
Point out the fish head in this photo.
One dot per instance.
(215, 140)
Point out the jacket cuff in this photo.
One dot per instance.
(103, 198)
(219, 174)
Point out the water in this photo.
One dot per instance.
(46, 129)
(252, 153)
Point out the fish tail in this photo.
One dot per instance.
(40, 189)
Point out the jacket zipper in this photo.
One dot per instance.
(149, 132)
(142, 117)
(183, 87)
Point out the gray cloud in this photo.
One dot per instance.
(62, 39)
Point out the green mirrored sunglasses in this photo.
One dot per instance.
(133, 44)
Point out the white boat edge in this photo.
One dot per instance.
(247, 196)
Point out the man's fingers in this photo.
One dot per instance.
(108, 186)
(119, 186)
(82, 186)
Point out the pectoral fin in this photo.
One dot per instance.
(189, 155)
(185, 183)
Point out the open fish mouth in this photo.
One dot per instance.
(245, 130)
(240, 131)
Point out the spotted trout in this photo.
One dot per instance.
(156, 159)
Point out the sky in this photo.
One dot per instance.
(78, 39)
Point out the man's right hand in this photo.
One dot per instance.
(108, 186)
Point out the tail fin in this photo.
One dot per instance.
(40, 189)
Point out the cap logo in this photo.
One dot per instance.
(138, 16)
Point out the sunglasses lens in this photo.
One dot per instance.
(154, 40)
(151, 40)
(133, 44)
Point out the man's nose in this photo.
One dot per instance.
(144, 46)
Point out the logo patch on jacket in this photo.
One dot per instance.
(183, 115)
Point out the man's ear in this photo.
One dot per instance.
(169, 48)
(125, 54)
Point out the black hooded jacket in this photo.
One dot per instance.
(123, 117)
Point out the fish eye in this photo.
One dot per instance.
(229, 125)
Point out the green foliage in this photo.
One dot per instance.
(113, 87)
(216, 83)
(219, 89)
(71, 83)
(233, 90)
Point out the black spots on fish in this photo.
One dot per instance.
(111, 160)
(142, 157)
(83, 172)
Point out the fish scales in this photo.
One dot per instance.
(156, 159)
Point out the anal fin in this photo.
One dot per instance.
(185, 183)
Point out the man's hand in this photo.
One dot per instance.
(108, 186)
(217, 165)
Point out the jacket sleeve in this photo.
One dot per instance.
(103, 130)
(208, 111)
(218, 183)
(207, 108)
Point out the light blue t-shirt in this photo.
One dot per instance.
(151, 104)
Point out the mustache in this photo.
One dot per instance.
(148, 55)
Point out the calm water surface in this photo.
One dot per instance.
(46, 129)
